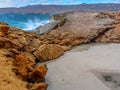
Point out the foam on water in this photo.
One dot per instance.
(33, 24)
(27, 21)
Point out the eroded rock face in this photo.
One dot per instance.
(112, 35)
(24, 68)
(23, 63)
(48, 52)
(38, 74)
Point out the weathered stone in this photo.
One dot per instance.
(39, 86)
(111, 36)
(47, 28)
(23, 63)
(38, 73)
(66, 48)
(34, 44)
(48, 52)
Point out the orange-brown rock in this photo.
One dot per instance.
(38, 73)
(3, 30)
(39, 86)
(23, 64)
(33, 45)
(3, 23)
(66, 48)
(49, 52)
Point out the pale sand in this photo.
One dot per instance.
(77, 69)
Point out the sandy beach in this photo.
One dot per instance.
(86, 67)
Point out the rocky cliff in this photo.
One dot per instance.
(22, 52)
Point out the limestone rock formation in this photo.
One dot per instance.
(48, 52)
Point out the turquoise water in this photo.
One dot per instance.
(25, 21)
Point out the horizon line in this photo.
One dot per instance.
(58, 5)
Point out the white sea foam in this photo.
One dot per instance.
(33, 24)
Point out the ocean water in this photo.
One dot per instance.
(27, 21)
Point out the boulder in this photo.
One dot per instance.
(38, 73)
(48, 52)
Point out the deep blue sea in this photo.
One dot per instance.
(25, 21)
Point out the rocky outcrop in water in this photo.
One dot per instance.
(56, 21)
(47, 28)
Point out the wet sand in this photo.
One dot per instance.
(86, 67)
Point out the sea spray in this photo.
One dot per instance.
(25, 21)
(33, 24)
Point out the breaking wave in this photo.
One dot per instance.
(33, 24)
(26, 21)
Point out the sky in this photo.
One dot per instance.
(19, 3)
